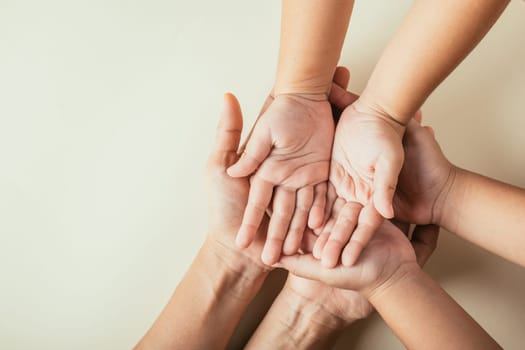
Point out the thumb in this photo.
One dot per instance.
(387, 171)
(229, 129)
(257, 149)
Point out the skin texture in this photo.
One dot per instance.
(308, 314)
(385, 274)
(288, 152)
(368, 155)
(223, 279)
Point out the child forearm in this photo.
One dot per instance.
(206, 306)
(433, 39)
(312, 35)
(488, 213)
(424, 316)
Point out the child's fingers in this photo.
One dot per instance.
(324, 234)
(258, 199)
(316, 215)
(306, 266)
(258, 147)
(387, 171)
(304, 199)
(283, 208)
(331, 197)
(319, 245)
(424, 240)
(344, 226)
(303, 265)
(368, 223)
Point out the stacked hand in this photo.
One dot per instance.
(367, 157)
(287, 156)
(229, 196)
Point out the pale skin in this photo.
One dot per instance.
(223, 279)
(367, 153)
(386, 274)
(288, 153)
(308, 314)
(431, 190)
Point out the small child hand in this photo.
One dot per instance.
(367, 157)
(288, 154)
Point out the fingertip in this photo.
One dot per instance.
(236, 170)
(329, 258)
(383, 203)
(315, 218)
(350, 255)
(348, 260)
(290, 246)
(242, 241)
(328, 262)
(231, 172)
(269, 257)
(388, 212)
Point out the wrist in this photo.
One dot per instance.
(306, 322)
(230, 271)
(314, 85)
(374, 101)
(405, 274)
(301, 96)
(366, 107)
(454, 199)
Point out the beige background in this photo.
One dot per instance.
(107, 112)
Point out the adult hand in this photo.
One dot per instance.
(425, 178)
(288, 155)
(229, 196)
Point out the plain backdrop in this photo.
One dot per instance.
(107, 114)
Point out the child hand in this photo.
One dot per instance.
(367, 157)
(288, 154)
(388, 252)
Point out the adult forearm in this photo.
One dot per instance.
(487, 213)
(429, 318)
(207, 304)
(295, 323)
(312, 35)
(433, 39)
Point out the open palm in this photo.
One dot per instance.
(288, 156)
